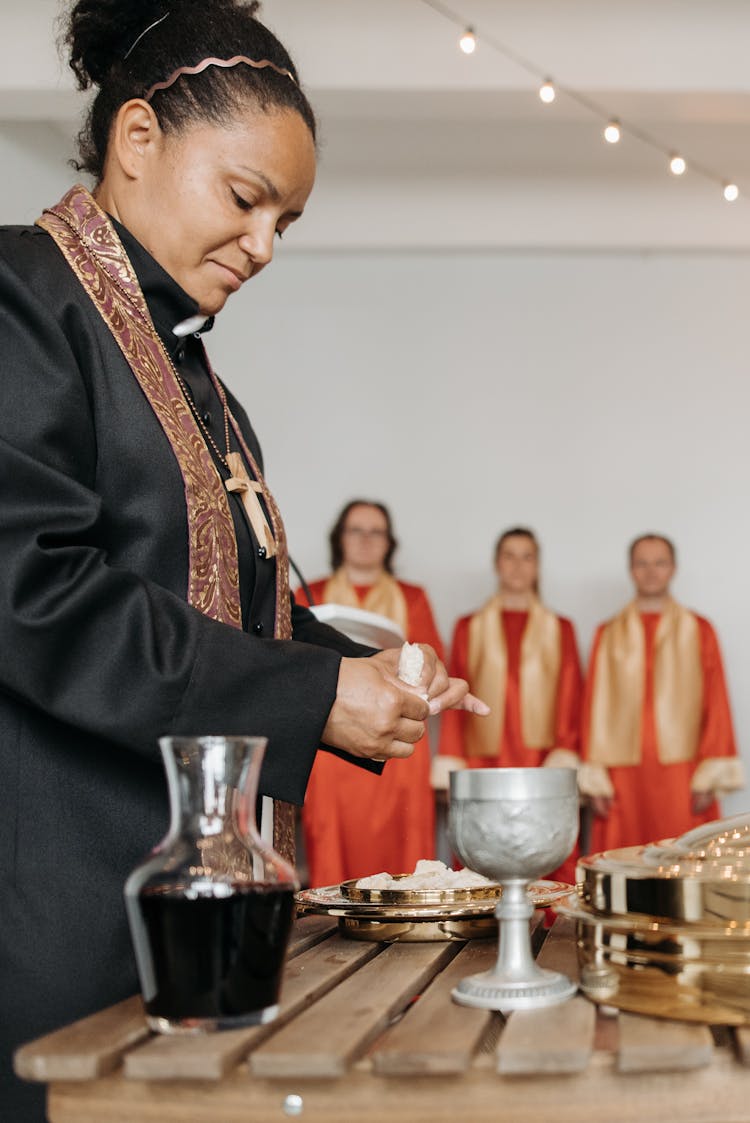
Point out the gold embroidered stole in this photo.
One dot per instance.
(385, 597)
(619, 684)
(541, 657)
(90, 245)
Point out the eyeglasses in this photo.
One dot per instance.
(360, 532)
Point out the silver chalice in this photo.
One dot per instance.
(513, 825)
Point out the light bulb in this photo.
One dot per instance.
(731, 191)
(677, 165)
(547, 91)
(612, 132)
(468, 42)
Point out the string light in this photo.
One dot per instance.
(612, 132)
(547, 91)
(468, 41)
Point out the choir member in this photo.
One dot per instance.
(657, 728)
(522, 659)
(357, 824)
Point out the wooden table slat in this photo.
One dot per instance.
(655, 1044)
(211, 1056)
(718, 1092)
(559, 952)
(310, 930)
(436, 1035)
(552, 1039)
(87, 1048)
(322, 1041)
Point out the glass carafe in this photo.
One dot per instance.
(211, 908)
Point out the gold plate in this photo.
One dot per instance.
(386, 922)
(664, 929)
(352, 892)
(685, 972)
(418, 931)
(703, 877)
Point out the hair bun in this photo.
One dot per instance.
(135, 48)
(99, 33)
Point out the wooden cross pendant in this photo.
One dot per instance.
(248, 490)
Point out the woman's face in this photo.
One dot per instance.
(364, 538)
(211, 199)
(517, 565)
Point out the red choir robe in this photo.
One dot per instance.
(356, 823)
(651, 799)
(512, 752)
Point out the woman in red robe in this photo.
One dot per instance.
(356, 823)
(523, 660)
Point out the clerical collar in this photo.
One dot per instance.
(174, 312)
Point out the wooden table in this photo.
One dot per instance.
(368, 1033)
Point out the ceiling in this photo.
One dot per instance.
(405, 113)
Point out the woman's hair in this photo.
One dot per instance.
(337, 533)
(518, 532)
(124, 47)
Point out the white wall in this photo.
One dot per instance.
(34, 158)
(590, 395)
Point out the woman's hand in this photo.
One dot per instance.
(374, 715)
(377, 716)
(443, 692)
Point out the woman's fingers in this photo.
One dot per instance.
(443, 692)
(413, 706)
(433, 679)
(373, 715)
(401, 750)
(474, 705)
(456, 696)
(377, 716)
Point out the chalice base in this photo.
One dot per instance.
(492, 991)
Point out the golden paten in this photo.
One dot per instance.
(417, 915)
(664, 929)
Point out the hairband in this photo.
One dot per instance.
(259, 64)
(228, 62)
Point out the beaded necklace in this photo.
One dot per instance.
(239, 480)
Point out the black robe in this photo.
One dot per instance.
(100, 654)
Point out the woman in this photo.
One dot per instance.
(398, 807)
(524, 660)
(145, 579)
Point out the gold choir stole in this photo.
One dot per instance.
(385, 597)
(90, 245)
(541, 656)
(619, 684)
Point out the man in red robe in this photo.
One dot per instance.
(356, 823)
(657, 733)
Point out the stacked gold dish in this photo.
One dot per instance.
(417, 915)
(664, 929)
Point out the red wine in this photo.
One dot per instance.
(214, 957)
